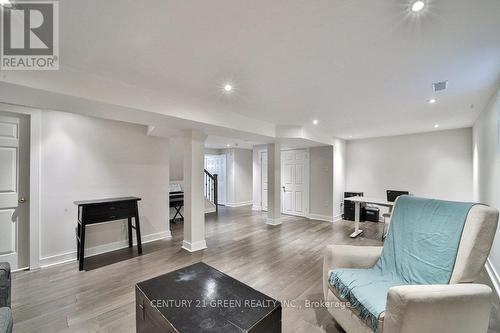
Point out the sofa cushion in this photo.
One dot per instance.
(6, 321)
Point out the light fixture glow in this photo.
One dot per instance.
(315, 121)
(5, 3)
(432, 101)
(436, 126)
(228, 145)
(228, 88)
(417, 6)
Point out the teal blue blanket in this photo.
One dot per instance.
(421, 248)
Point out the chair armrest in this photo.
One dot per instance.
(451, 308)
(348, 256)
(4, 284)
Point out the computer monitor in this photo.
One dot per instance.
(392, 195)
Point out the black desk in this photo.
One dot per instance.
(199, 298)
(106, 210)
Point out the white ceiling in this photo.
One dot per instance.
(362, 68)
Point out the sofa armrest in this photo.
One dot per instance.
(348, 256)
(4, 284)
(6, 321)
(457, 308)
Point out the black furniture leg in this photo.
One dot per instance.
(130, 244)
(138, 230)
(82, 247)
(77, 234)
(177, 212)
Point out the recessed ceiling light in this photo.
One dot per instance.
(436, 126)
(228, 88)
(432, 100)
(315, 121)
(228, 145)
(417, 6)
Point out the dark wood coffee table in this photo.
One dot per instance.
(199, 298)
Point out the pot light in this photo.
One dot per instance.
(417, 6)
(228, 145)
(432, 100)
(228, 88)
(436, 126)
(315, 121)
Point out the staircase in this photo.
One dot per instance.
(210, 191)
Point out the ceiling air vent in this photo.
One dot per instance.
(439, 86)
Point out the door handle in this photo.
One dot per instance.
(284, 190)
(22, 200)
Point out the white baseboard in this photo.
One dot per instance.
(95, 250)
(495, 278)
(239, 204)
(271, 221)
(337, 218)
(256, 207)
(210, 210)
(320, 217)
(193, 247)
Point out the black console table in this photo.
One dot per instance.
(106, 210)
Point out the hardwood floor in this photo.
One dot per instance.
(284, 262)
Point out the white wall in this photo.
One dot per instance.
(89, 158)
(239, 177)
(339, 177)
(212, 151)
(176, 152)
(435, 164)
(487, 164)
(321, 181)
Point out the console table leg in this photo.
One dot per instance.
(77, 232)
(82, 247)
(130, 244)
(138, 230)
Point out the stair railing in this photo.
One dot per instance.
(211, 185)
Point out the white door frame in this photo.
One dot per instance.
(262, 171)
(35, 116)
(308, 176)
(223, 156)
(307, 179)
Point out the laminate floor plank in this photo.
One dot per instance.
(284, 262)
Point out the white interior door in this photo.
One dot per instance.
(263, 186)
(216, 164)
(295, 182)
(14, 188)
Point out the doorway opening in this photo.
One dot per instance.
(216, 164)
(294, 182)
(15, 189)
